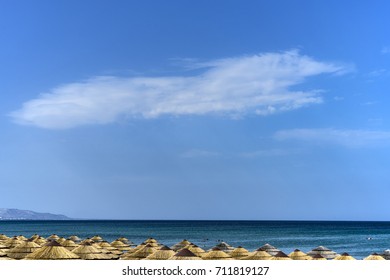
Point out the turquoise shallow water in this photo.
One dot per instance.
(350, 237)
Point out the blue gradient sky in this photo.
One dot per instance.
(196, 109)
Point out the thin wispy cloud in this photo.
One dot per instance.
(269, 153)
(347, 138)
(385, 50)
(258, 84)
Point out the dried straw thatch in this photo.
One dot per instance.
(318, 257)
(69, 244)
(13, 242)
(52, 251)
(23, 249)
(280, 256)
(344, 257)
(259, 254)
(374, 257)
(386, 254)
(323, 251)
(299, 255)
(3, 237)
(97, 238)
(107, 246)
(184, 254)
(163, 253)
(239, 253)
(140, 254)
(216, 254)
(224, 247)
(196, 250)
(89, 252)
(181, 245)
(40, 240)
(120, 245)
(270, 249)
(74, 238)
(53, 237)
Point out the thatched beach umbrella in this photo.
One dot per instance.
(74, 238)
(3, 253)
(53, 237)
(259, 254)
(163, 253)
(52, 251)
(224, 247)
(374, 257)
(107, 246)
(344, 257)
(239, 253)
(299, 255)
(184, 254)
(386, 254)
(69, 244)
(21, 238)
(270, 249)
(40, 240)
(13, 242)
(181, 245)
(196, 250)
(216, 254)
(280, 256)
(318, 257)
(140, 254)
(97, 238)
(23, 249)
(3, 237)
(89, 252)
(120, 245)
(323, 251)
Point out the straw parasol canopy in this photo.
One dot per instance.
(120, 245)
(52, 251)
(107, 246)
(40, 240)
(224, 247)
(140, 254)
(69, 244)
(323, 251)
(13, 242)
(318, 257)
(53, 237)
(3, 253)
(97, 238)
(344, 257)
(270, 249)
(60, 240)
(259, 254)
(184, 254)
(150, 240)
(216, 254)
(21, 237)
(239, 253)
(386, 254)
(374, 257)
(299, 255)
(74, 238)
(126, 241)
(280, 256)
(181, 245)
(163, 253)
(3, 237)
(89, 252)
(23, 249)
(196, 250)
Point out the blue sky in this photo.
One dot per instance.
(196, 109)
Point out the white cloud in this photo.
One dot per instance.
(269, 153)
(258, 84)
(348, 138)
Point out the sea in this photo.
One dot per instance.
(359, 239)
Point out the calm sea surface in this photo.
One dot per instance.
(350, 237)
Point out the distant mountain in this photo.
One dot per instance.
(16, 214)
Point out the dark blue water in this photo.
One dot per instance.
(351, 237)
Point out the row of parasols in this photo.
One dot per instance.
(58, 248)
